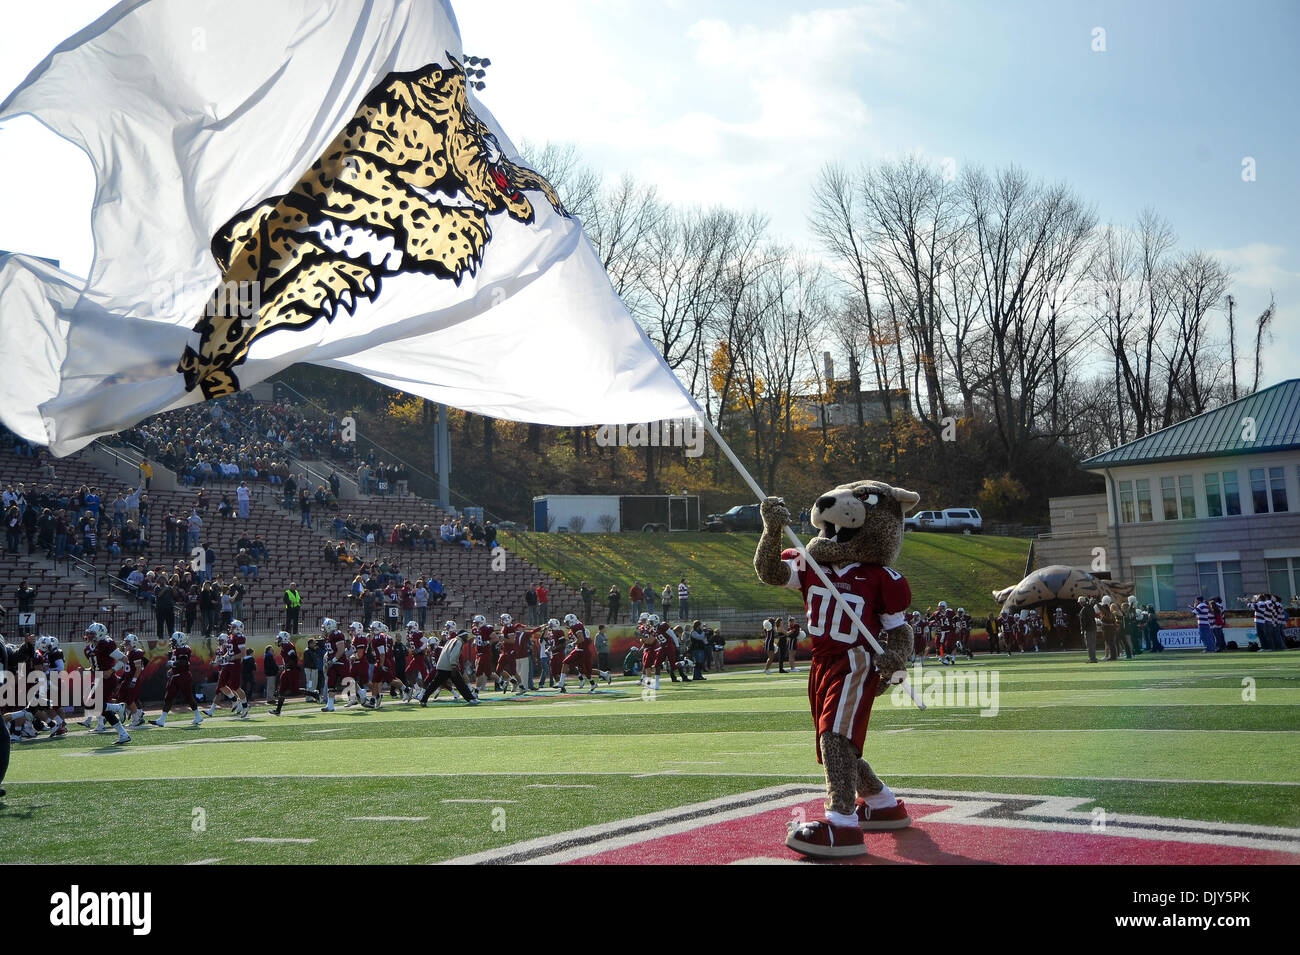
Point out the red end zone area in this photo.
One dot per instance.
(947, 828)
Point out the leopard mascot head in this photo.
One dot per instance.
(409, 185)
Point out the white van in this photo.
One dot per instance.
(967, 520)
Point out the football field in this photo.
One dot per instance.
(1040, 757)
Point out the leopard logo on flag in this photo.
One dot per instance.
(408, 186)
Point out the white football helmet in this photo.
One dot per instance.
(479, 620)
(653, 620)
(506, 619)
(961, 609)
(412, 626)
(328, 625)
(553, 624)
(179, 639)
(643, 618)
(284, 638)
(376, 626)
(131, 641)
(943, 605)
(355, 628)
(449, 626)
(97, 631)
(236, 626)
(571, 620)
(223, 639)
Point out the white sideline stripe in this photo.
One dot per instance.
(480, 802)
(304, 842)
(560, 786)
(339, 729)
(204, 862)
(630, 775)
(669, 817)
(224, 739)
(387, 819)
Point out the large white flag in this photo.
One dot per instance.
(284, 181)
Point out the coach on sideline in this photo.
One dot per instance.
(447, 670)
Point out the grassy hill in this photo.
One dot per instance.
(954, 567)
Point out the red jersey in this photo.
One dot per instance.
(135, 656)
(663, 633)
(879, 596)
(361, 646)
(332, 642)
(482, 635)
(415, 640)
(237, 643)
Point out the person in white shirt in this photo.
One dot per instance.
(447, 670)
(244, 496)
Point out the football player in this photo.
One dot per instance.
(481, 632)
(580, 657)
(334, 646)
(128, 688)
(507, 670)
(359, 664)
(108, 661)
(54, 665)
(418, 659)
(180, 682)
(230, 675)
(288, 683)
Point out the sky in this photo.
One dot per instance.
(1133, 104)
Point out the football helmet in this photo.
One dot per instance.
(571, 620)
(479, 620)
(943, 605)
(449, 626)
(131, 641)
(643, 618)
(223, 639)
(96, 631)
(376, 626)
(328, 625)
(236, 626)
(506, 619)
(179, 639)
(284, 638)
(961, 609)
(553, 624)
(412, 626)
(653, 620)
(355, 628)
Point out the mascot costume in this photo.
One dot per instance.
(860, 532)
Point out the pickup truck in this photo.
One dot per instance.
(742, 517)
(965, 520)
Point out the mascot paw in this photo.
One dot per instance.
(897, 643)
(774, 512)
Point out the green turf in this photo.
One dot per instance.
(1170, 735)
(961, 569)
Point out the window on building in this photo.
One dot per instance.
(1220, 578)
(1259, 490)
(1155, 586)
(1144, 500)
(1231, 499)
(1213, 501)
(1126, 502)
(1169, 498)
(1284, 576)
(1277, 488)
(1188, 496)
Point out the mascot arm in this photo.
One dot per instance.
(769, 566)
(897, 642)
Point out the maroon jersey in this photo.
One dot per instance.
(663, 635)
(879, 596)
(415, 640)
(237, 643)
(180, 660)
(102, 652)
(361, 646)
(332, 642)
(132, 658)
(482, 636)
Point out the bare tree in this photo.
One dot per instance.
(1263, 332)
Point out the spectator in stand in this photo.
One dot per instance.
(683, 600)
(164, 610)
(587, 595)
(237, 599)
(247, 565)
(119, 511)
(13, 528)
(611, 602)
(25, 597)
(208, 604)
(193, 524)
(146, 474)
(88, 529)
(227, 608)
(437, 596)
(543, 602)
(406, 601)
(421, 602)
(133, 504)
(135, 583)
(191, 607)
(336, 486)
(530, 606)
(91, 502)
(490, 534)
(244, 496)
(666, 600)
(304, 505)
(637, 596)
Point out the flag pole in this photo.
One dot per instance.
(803, 552)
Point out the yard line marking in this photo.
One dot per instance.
(305, 842)
(204, 862)
(484, 802)
(696, 762)
(560, 786)
(387, 819)
(339, 729)
(226, 739)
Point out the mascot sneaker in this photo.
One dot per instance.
(822, 839)
(882, 820)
